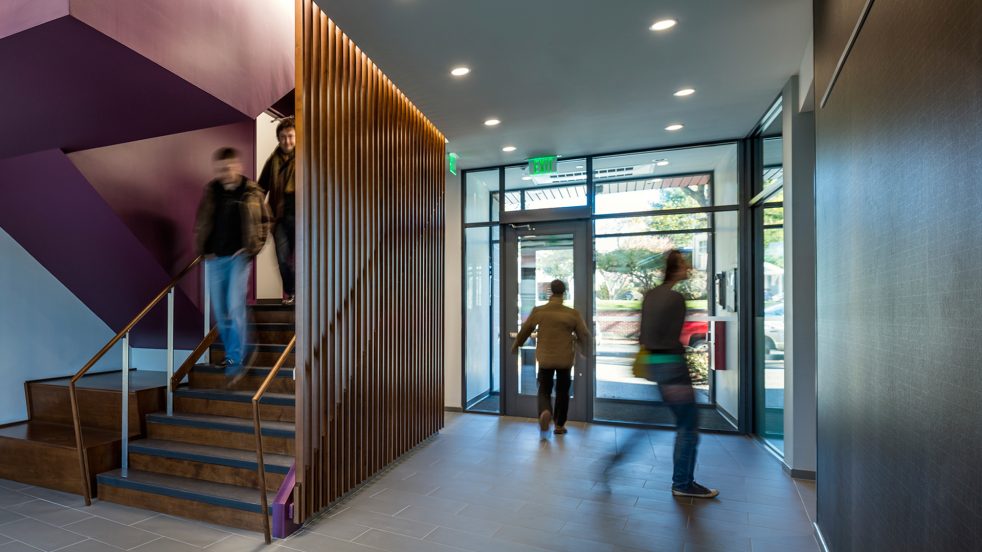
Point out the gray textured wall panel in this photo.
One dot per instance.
(899, 222)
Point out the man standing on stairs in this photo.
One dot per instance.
(277, 179)
(231, 228)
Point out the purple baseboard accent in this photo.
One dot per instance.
(239, 52)
(60, 219)
(76, 88)
(283, 525)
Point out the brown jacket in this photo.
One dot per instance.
(560, 327)
(255, 218)
(278, 179)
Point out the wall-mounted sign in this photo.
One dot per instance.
(542, 165)
(452, 163)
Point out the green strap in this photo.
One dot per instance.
(661, 358)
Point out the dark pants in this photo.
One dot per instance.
(563, 380)
(285, 236)
(679, 398)
(686, 441)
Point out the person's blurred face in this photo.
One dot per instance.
(288, 140)
(228, 171)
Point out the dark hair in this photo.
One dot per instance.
(223, 154)
(557, 287)
(673, 260)
(285, 124)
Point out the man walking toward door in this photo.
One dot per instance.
(560, 329)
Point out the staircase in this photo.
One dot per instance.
(201, 462)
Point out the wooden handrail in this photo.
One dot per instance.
(193, 358)
(83, 459)
(261, 466)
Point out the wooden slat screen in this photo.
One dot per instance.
(370, 184)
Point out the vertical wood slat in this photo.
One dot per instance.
(370, 266)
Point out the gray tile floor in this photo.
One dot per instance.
(486, 483)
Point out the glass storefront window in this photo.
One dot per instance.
(658, 223)
(481, 196)
(564, 188)
(482, 319)
(666, 179)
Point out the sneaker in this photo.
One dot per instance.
(695, 490)
(560, 430)
(291, 299)
(544, 420)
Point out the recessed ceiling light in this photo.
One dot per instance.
(674, 126)
(661, 162)
(492, 122)
(460, 71)
(526, 178)
(686, 92)
(663, 24)
(579, 166)
(508, 149)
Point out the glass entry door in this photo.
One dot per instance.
(533, 255)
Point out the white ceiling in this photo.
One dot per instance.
(577, 77)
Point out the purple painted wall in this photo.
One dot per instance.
(154, 186)
(57, 216)
(239, 52)
(20, 15)
(69, 87)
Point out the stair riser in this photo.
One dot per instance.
(272, 337)
(191, 509)
(97, 408)
(208, 472)
(272, 317)
(259, 358)
(54, 467)
(200, 380)
(271, 412)
(215, 437)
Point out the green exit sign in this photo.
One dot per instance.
(542, 165)
(452, 163)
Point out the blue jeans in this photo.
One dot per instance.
(227, 280)
(686, 440)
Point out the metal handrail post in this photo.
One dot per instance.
(207, 309)
(170, 352)
(126, 405)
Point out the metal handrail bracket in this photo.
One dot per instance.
(261, 465)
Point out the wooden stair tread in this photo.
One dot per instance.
(57, 435)
(261, 371)
(256, 347)
(215, 494)
(112, 381)
(275, 463)
(266, 307)
(234, 395)
(224, 423)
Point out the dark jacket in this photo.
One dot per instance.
(255, 217)
(560, 327)
(278, 176)
(662, 317)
